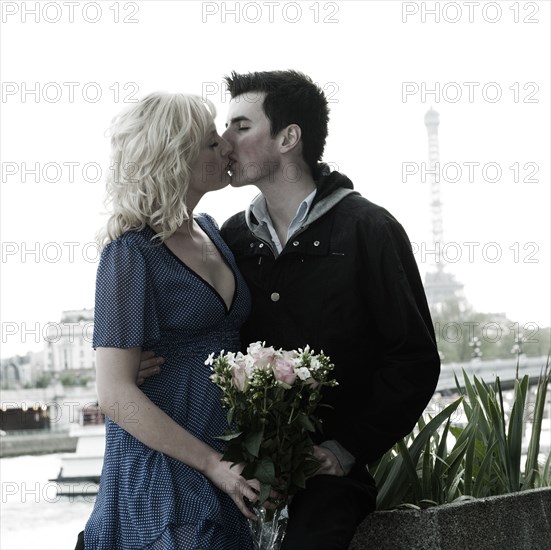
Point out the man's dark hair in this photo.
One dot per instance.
(291, 98)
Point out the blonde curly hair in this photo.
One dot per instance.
(154, 143)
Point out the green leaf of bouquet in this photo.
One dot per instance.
(264, 493)
(299, 479)
(234, 453)
(248, 471)
(229, 437)
(253, 441)
(306, 423)
(265, 471)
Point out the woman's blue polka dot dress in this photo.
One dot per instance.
(145, 296)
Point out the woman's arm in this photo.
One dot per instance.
(117, 370)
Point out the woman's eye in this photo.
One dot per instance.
(243, 128)
(213, 145)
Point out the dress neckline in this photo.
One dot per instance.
(212, 237)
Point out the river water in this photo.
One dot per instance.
(33, 517)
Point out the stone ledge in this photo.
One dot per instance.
(36, 444)
(520, 521)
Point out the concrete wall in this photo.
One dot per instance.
(35, 444)
(519, 521)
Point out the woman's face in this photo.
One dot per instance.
(210, 170)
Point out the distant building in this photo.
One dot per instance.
(21, 370)
(68, 344)
(67, 349)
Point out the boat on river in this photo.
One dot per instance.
(80, 471)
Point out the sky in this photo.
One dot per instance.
(68, 67)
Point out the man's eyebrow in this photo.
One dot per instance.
(238, 119)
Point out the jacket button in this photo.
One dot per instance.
(316, 243)
(295, 243)
(261, 245)
(252, 245)
(275, 296)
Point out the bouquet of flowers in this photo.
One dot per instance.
(271, 396)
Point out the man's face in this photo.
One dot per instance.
(255, 153)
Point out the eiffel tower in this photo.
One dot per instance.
(440, 286)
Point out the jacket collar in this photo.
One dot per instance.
(332, 187)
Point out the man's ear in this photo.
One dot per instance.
(290, 137)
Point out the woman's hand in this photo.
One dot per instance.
(228, 478)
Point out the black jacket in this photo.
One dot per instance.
(346, 283)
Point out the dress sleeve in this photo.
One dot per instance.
(125, 312)
(210, 219)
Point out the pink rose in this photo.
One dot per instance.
(263, 357)
(240, 374)
(284, 368)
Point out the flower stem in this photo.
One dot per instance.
(291, 415)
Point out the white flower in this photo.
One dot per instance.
(230, 358)
(210, 359)
(249, 361)
(255, 347)
(303, 373)
(314, 364)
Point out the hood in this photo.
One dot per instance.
(332, 187)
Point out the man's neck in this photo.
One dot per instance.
(283, 197)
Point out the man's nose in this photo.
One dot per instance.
(227, 147)
(226, 135)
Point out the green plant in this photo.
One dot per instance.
(485, 458)
(498, 445)
(43, 381)
(68, 379)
